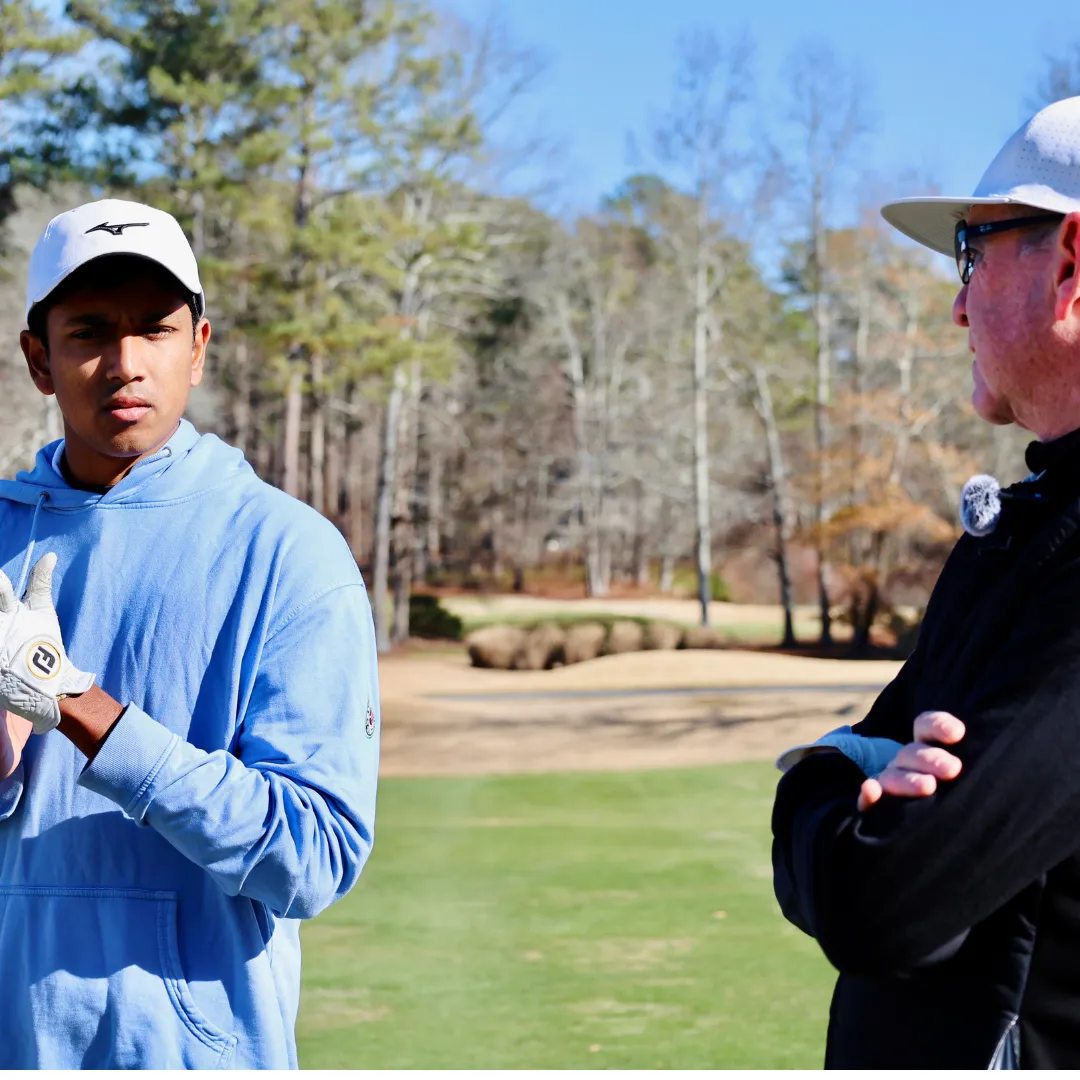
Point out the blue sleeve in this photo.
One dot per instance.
(288, 819)
(11, 791)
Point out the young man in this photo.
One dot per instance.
(944, 884)
(189, 756)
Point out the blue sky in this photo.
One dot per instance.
(948, 82)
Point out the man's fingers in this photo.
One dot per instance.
(8, 602)
(915, 771)
(869, 794)
(933, 760)
(939, 727)
(907, 784)
(39, 592)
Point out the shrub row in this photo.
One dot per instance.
(549, 645)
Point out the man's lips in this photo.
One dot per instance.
(127, 410)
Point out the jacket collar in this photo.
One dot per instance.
(1062, 453)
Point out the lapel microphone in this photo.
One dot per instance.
(980, 503)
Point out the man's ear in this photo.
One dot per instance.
(198, 350)
(1067, 268)
(37, 361)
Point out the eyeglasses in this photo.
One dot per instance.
(965, 256)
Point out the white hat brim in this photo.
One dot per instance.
(191, 285)
(931, 220)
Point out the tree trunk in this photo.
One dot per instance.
(821, 404)
(821, 474)
(702, 533)
(859, 359)
(495, 522)
(781, 502)
(334, 453)
(434, 508)
(384, 502)
(667, 572)
(865, 600)
(667, 549)
(402, 591)
(404, 530)
(641, 545)
(242, 402)
(354, 479)
(905, 363)
(264, 457)
(416, 515)
(317, 463)
(586, 463)
(198, 224)
(294, 399)
(605, 564)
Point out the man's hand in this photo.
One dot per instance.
(15, 732)
(35, 671)
(915, 771)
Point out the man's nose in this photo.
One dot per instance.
(124, 358)
(959, 308)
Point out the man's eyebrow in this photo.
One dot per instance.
(86, 319)
(91, 319)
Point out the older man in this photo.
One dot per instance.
(944, 884)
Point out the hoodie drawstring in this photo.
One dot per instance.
(43, 498)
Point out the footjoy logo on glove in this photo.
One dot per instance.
(43, 660)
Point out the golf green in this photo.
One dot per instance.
(556, 921)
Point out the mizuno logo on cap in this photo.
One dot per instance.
(117, 230)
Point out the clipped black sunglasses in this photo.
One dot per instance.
(965, 257)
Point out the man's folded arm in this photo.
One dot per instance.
(288, 819)
(812, 801)
(885, 890)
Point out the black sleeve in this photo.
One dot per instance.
(884, 890)
(821, 791)
(814, 798)
(892, 714)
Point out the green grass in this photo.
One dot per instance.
(566, 921)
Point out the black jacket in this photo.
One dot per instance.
(954, 920)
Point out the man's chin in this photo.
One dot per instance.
(990, 409)
(133, 439)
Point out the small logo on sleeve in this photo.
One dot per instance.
(369, 727)
(43, 660)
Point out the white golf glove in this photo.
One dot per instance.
(35, 672)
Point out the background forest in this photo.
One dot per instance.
(703, 385)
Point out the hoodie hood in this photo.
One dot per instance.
(188, 464)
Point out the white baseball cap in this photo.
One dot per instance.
(1039, 166)
(110, 227)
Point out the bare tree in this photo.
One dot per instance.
(713, 83)
(589, 293)
(1060, 80)
(828, 114)
(781, 499)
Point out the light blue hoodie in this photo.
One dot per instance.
(150, 902)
